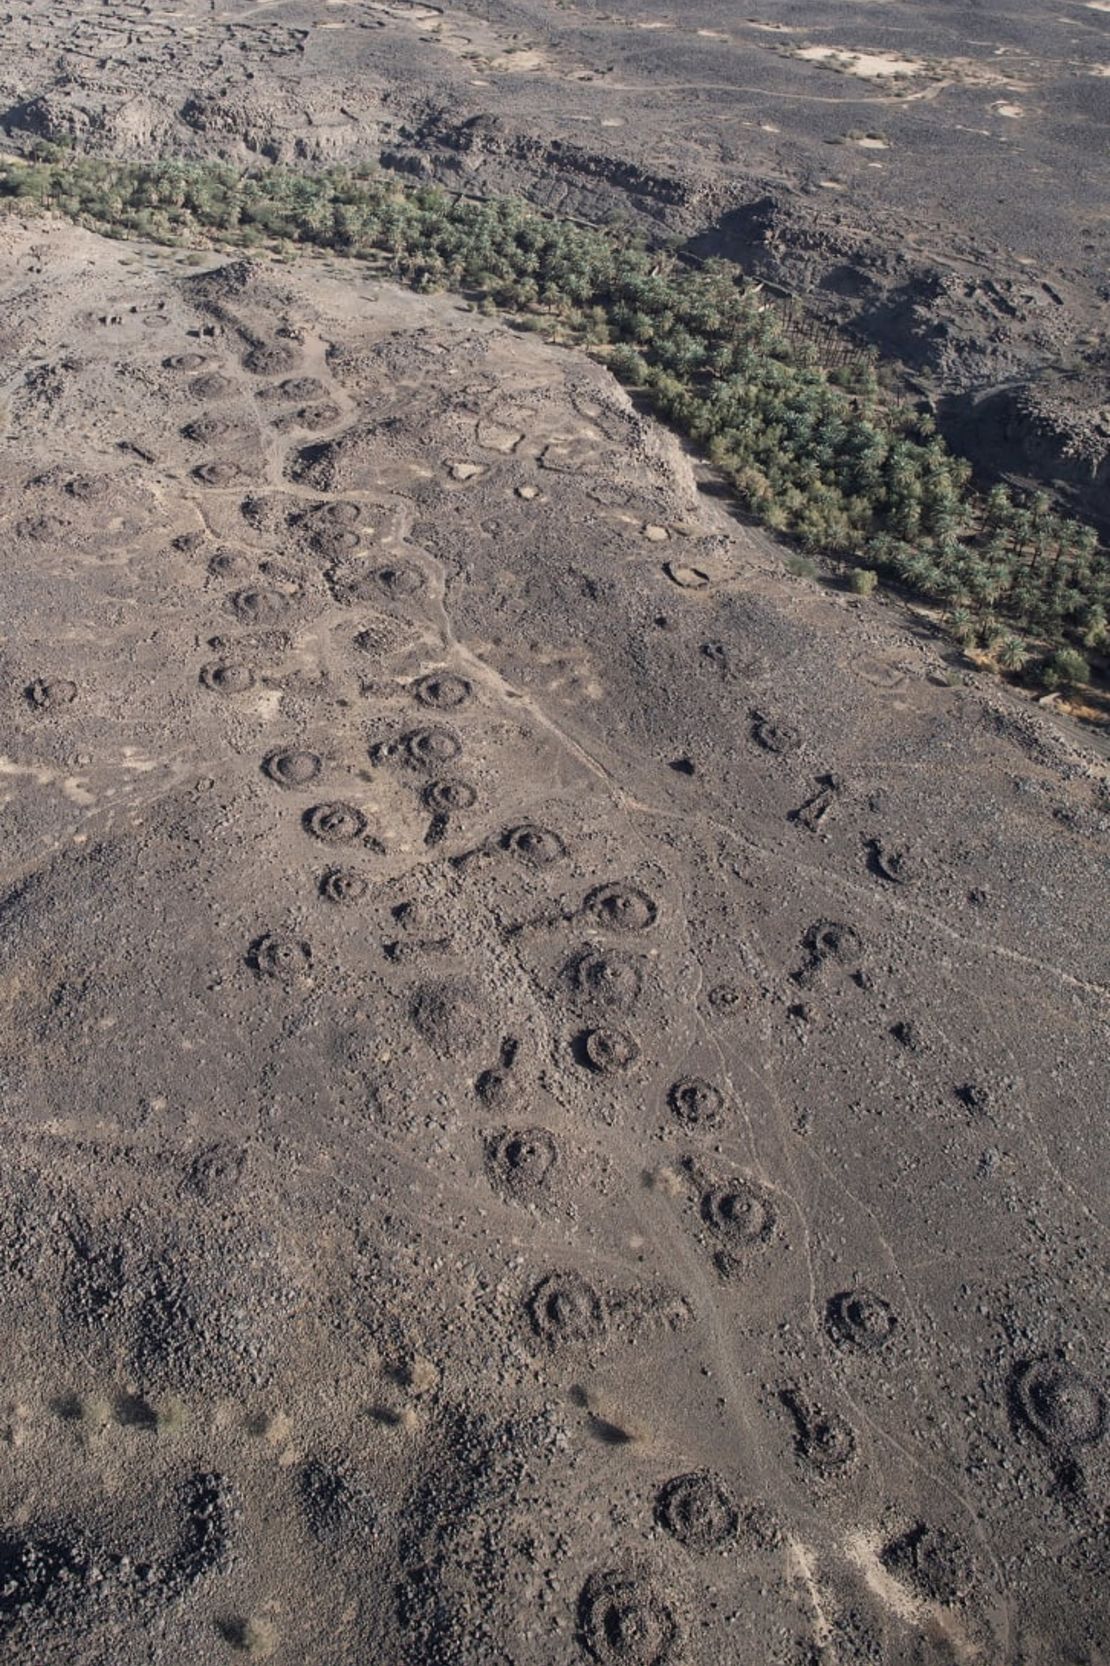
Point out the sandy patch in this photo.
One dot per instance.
(869, 66)
(422, 15)
(476, 40)
(801, 1572)
(862, 1551)
(519, 60)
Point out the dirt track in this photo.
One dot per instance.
(552, 1071)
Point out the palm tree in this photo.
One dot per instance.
(962, 626)
(1013, 655)
(1096, 631)
(952, 588)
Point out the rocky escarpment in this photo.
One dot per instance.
(487, 154)
(1044, 430)
(983, 346)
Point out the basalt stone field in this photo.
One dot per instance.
(553, 1062)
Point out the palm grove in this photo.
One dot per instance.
(821, 455)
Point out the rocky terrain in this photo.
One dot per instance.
(937, 187)
(553, 1071)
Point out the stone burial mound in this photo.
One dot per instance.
(473, 1191)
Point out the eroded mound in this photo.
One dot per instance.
(625, 1620)
(698, 1511)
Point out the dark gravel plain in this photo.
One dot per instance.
(553, 1072)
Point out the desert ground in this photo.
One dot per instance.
(538, 1124)
(554, 1067)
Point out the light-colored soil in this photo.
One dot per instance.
(870, 66)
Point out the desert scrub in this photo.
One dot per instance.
(170, 1415)
(1064, 670)
(821, 453)
(253, 1637)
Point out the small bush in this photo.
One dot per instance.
(170, 1416)
(257, 1639)
(863, 581)
(92, 1412)
(628, 366)
(962, 627)
(1064, 669)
